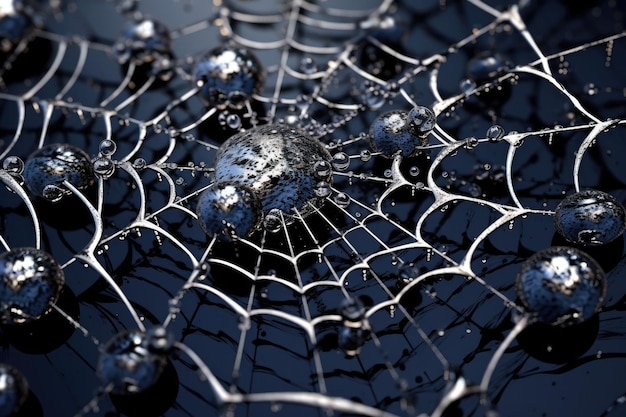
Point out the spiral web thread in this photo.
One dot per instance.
(430, 243)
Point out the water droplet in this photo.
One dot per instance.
(495, 133)
(391, 133)
(475, 190)
(13, 390)
(471, 143)
(341, 161)
(374, 60)
(365, 155)
(590, 218)
(467, 86)
(486, 66)
(414, 171)
(103, 167)
(139, 164)
(352, 310)
(47, 168)
(228, 76)
(225, 209)
(273, 221)
(406, 273)
(147, 43)
(374, 98)
(233, 121)
(13, 165)
(107, 147)
(561, 285)
(322, 189)
(351, 339)
(322, 169)
(159, 340)
(590, 89)
(342, 200)
(277, 164)
(421, 121)
(307, 65)
(126, 6)
(31, 281)
(127, 363)
(53, 193)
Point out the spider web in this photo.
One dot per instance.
(430, 244)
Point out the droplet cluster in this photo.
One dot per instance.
(266, 173)
(353, 333)
(398, 132)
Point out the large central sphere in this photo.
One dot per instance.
(279, 164)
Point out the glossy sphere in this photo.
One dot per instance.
(48, 167)
(277, 163)
(146, 41)
(14, 23)
(590, 218)
(373, 59)
(486, 67)
(352, 310)
(561, 285)
(227, 76)
(226, 208)
(13, 390)
(392, 133)
(421, 121)
(351, 339)
(31, 281)
(128, 364)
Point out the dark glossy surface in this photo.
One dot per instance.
(429, 244)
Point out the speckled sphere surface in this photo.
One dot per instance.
(392, 133)
(143, 41)
(128, 364)
(47, 168)
(590, 218)
(561, 285)
(13, 390)
(227, 76)
(277, 163)
(31, 281)
(226, 208)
